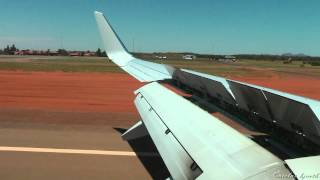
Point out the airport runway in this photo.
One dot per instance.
(37, 150)
(68, 126)
(34, 150)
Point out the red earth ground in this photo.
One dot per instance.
(101, 92)
(102, 99)
(107, 92)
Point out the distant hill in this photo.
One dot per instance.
(294, 55)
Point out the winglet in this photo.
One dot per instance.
(140, 69)
(114, 48)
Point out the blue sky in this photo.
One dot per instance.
(206, 26)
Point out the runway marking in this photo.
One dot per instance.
(76, 151)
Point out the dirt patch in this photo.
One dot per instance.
(60, 97)
(84, 92)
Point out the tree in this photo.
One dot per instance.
(63, 52)
(104, 54)
(48, 52)
(6, 50)
(9, 50)
(13, 48)
(98, 52)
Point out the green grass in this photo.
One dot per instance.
(248, 68)
(50, 67)
(64, 64)
(101, 65)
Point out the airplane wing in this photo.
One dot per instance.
(195, 145)
(142, 70)
(305, 168)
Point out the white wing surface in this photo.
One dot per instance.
(305, 168)
(194, 144)
(142, 70)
